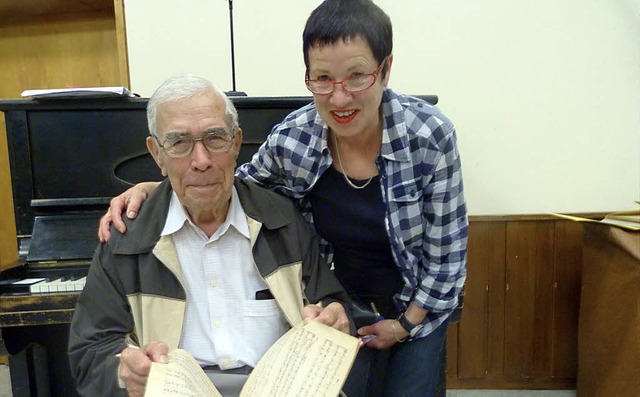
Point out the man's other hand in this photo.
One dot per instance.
(135, 365)
(333, 315)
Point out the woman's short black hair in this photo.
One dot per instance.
(335, 20)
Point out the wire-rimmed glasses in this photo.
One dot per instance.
(180, 145)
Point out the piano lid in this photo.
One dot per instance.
(64, 237)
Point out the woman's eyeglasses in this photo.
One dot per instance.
(353, 84)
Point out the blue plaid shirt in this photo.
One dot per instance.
(421, 183)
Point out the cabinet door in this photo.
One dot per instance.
(529, 299)
(520, 317)
(479, 335)
(541, 307)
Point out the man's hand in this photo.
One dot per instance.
(131, 200)
(135, 365)
(333, 315)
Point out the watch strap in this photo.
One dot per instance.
(407, 325)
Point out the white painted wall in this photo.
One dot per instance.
(545, 94)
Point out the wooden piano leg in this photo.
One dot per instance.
(48, 357)
(29, 372)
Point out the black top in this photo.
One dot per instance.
(352, 221)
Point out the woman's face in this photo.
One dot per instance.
(348, 114)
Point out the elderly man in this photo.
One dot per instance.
(213, 264)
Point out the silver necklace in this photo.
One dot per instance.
(344, 172)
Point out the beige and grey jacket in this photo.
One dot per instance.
(134, 292)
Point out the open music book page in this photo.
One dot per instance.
(309, 360)
(181, 376)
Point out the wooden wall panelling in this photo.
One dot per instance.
(529, 293)
(519, 324)
(568, 272)
(476, 345)
(480, 336)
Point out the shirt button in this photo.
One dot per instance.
(217, 324)
(225, 362)
(213, 283)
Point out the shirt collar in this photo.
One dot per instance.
(395, 144)
(178, 216)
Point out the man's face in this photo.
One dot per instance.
(202, 180)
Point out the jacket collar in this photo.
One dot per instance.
(144, 232)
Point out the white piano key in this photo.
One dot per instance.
(65, 285)
(35, 288)
(51, 286)
(79, 284)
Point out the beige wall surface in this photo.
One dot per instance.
(545, 94)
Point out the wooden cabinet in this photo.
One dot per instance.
(519, 323)
(609, 336)
(53, 44)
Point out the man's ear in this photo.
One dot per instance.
(238, 141)
(154, 150)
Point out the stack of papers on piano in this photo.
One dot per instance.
(78, 92)
(629, 220)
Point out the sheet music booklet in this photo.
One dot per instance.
(309, 360)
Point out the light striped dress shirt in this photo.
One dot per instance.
(224, 324)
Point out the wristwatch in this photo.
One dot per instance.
(408, 326)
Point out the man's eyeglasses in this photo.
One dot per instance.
(353, 84)
(180, 145)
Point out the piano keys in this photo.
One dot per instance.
(35, 287)
(43, 285)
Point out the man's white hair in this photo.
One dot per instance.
(184, 87)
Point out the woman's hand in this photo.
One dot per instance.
(131, 200)
(387, 333)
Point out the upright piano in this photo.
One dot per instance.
(68, 158)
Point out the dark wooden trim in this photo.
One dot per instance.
(37, 309)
